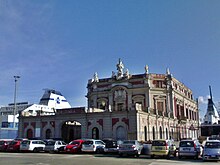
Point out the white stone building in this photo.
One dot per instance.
(124, 106)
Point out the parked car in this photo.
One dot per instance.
(54, 146)
(111, 146)
(130, 147)
(211, 150)
(14, 146)
(32, 145)
(74, 146)
(4, 144)
(163, 147)
(147, 147)
(189, 148)
(93, 146)
(20, 139)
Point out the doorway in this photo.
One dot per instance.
(71, 130)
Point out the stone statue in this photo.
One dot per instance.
(146, 69)
(120, 67)
(127, 73)
(168, 71)
(95, 77)
(113, 74)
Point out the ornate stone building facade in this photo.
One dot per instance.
(124, 106)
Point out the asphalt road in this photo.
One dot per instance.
(87, 159)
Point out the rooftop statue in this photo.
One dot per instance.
(127, 75)
(113, 74)
(146, 69)
(168, 71)
(120, 67)
(95, 77)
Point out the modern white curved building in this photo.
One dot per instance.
(49, 103)
(54, 99)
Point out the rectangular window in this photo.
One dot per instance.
(196, 118)
(193, 114)
(190, 115)
(187, 113)
(160, 106)
(4, 124)
(182, 110)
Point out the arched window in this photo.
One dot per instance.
(172, 132)
(161, 135)
(120, 96)
(48, 134)
(95, 133)
(145, 133)
(102, 103)
(183, 133)
(153, 133)
(138, 101)
(120, 133)
(166, 133)
(29, 133)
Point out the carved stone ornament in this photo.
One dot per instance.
(120, 95)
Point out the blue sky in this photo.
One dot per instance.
(60, 44)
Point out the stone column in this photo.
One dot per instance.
(129, 100)
(57, 129)
(20, 127)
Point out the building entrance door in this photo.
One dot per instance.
(121, 133)
(71, 130)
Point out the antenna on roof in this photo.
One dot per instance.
(210, 90)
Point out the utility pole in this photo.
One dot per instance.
(15, 95)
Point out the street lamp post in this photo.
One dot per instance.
(15, 95)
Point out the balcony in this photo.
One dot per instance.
(182, 119)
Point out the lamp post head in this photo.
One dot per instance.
(16, 77)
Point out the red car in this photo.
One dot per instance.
(4, 144)
(74, 146)
(14, 146)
